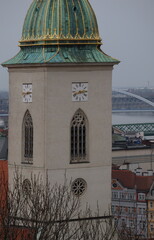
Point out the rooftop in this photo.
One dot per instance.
(130, 180)
(60, 32)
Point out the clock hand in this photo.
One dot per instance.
(25, 93)
(79, 92)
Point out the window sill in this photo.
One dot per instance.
(27, 163)
(79, 162)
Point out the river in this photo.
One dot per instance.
(138, 117)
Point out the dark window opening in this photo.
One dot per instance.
(27, 138)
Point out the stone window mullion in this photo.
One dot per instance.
(78, 147)
(82, 140)
(74, 150)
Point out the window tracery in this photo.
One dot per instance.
(79, 132)
(79, 186)
(27, 130)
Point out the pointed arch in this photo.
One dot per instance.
(79, 137)
(27, 138)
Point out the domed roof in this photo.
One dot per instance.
(58, 32)
(52, 22)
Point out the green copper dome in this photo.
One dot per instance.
(50, 22)
(60, 31)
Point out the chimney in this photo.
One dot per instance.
(150, 172)
(139, 171)
(145, 174)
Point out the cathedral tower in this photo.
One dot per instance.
(60, 100)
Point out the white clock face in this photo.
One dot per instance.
(80, 91)
(27, 92)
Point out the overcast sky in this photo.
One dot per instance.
(126, 27)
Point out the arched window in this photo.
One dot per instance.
(27, 131)
(79, 137)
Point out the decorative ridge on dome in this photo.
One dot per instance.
(54, 22)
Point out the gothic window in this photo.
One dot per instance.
(27, 130)
(79, 137)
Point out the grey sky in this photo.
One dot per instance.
(126, 27)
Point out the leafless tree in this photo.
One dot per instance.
(133, 230)
(34, 210)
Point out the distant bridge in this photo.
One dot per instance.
(147, 128)
(135, 96)
(130, 102)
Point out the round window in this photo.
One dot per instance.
(114, 185)
(79, 186)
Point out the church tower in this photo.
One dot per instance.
(60, 100)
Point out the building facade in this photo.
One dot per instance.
(132, 204)
(150, 211)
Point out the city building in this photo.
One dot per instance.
(150, 211)
(3, 145)
(4, 105)
(60, 100)
(131, 201)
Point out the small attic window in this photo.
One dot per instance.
(25, 56)
(65, 55)
(152, 192)
(141, 196)
(114, 185)
(36, 9)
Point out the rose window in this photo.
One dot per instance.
(79, 186)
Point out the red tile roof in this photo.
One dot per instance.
(130, 180)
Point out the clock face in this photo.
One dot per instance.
(27, 92)
(80, 92)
